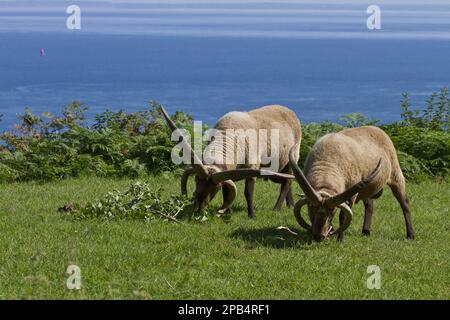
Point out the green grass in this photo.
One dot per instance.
(235, 259)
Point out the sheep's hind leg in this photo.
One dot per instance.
(284, 189)
(402, 198)
(289, 197)
(249, 190)
(368, 208)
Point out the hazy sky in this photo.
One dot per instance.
(401, 19)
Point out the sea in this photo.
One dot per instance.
(320, 58)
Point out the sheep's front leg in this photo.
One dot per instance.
(249, 190)
(340, 236)
(368, 211)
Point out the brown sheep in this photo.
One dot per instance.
(343, 168)
(215, 173)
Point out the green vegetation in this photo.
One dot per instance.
(139, 201)
(116, 144)
(221, 258)
(421, 138)
(119, 144)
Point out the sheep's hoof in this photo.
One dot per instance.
(224, 210)
(69, 207)
(366, 232)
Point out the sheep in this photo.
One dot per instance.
(343, 168)
(216, 174)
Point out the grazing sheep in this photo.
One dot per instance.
(215, 173)
(343, 168)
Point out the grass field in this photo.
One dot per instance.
(234, 259)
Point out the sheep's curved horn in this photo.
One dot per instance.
(184, 179)
(310, 193)
(230, 196)
(347, 194)
(298, 214)
(347, 220)
(196, 162)
(239, 174)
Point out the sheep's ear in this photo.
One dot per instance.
(347, 194)
(239, 174)
(196, 162)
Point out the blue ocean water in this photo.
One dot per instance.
(210, 68)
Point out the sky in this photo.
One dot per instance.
(400, 19)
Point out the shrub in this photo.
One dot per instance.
(139, 143)
(435, 117)
(139, 201)
(354, 120)
(429, 147)
(311, 132)
(116, 144)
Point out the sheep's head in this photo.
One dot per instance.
(210, 179)
(321, 218)
(321, 215)
(206, 187)
(323, 207)
(205, 191)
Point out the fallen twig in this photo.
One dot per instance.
(288, 230)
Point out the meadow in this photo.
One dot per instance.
(49, 161)
(221, 258)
